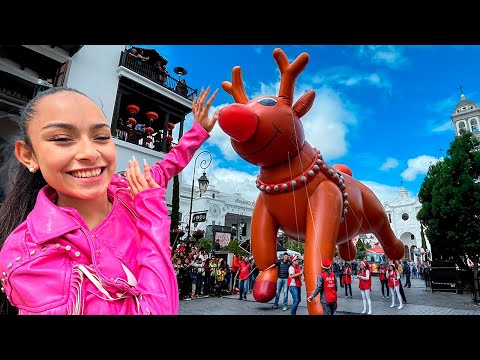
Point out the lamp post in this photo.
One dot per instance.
(240, 226)
(202, 184)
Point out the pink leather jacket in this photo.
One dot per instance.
(53, 264)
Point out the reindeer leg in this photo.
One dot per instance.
(392, 246)
(322, 224)
(347, 250)
(264, 249)
(378, 225)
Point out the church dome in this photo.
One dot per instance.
(464, 106)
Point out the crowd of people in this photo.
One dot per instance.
(201, 274)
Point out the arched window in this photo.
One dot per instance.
(474, 125)
(412, 237)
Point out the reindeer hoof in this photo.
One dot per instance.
(264, 290)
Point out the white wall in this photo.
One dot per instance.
(93, 72)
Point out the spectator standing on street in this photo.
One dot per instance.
(244, 277)
(365, 285)
(235, 267)
(382, 275)
(282, 265)
(327, 287)
(399, 268)
(295, 272)
(336, 271)
(347, 279)
(406, 272)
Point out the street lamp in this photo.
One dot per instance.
(202, 184)
(240, 226)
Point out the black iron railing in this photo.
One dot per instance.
(141, 138)
(156, 75)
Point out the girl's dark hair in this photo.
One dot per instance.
(21, 198)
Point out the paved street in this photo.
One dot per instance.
(420, 301)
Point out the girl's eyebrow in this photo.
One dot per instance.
(72, 127)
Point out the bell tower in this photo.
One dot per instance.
(466, 116)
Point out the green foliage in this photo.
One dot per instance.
(450, 198)
(362, 247)
(205, 244)
(294, 245)
(234, 247)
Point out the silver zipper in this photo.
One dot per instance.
(134, 214)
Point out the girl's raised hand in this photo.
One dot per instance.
(137, 181)
(200, 108)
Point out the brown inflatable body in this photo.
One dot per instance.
(312, 202)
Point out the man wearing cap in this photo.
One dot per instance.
(327, 287)
(283, 265)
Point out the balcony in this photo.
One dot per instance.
(156, 75)
(154, 141)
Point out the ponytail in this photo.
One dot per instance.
(20, 201)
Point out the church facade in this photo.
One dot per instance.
(402, 216)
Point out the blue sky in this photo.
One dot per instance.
(382, 110)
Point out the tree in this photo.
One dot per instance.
(362, 246)
(205, 244)
(294, 245)
(234, 247)
(450, 198)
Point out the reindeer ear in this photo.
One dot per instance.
(304, 104)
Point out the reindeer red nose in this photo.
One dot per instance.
(238, 121)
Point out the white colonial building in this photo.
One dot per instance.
(217, 213)
(402, 215)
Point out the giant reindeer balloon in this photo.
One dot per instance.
(311, 201)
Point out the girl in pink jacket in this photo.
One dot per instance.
(77, 238)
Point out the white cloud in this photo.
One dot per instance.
(345, 76)
(382, 191)
(418, 165)
(390, 163)
(444, 127)
(388, 55)
(326, 124)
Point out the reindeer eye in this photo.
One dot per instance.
(268, 102)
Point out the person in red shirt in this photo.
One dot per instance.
(327, 287)
(365, 285)
(235, 267)
(244, 277)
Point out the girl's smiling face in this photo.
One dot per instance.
(72, 146)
